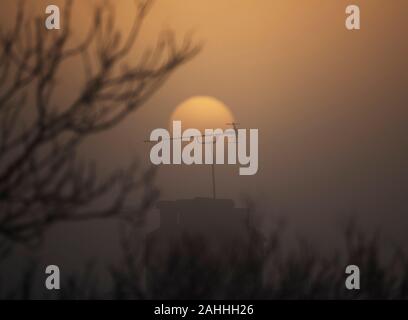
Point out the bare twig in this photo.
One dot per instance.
(41, 179)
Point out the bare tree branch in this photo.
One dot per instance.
(41, 179)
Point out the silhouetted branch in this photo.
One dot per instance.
(41, 180)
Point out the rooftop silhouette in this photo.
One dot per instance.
(199, 232)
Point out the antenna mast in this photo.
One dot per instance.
(235, 127)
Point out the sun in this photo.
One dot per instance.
(202, 112)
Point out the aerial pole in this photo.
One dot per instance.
(235, 127)
(213, 173)
(214, 194)
(214, 141)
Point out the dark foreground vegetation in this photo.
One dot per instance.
(193, 270)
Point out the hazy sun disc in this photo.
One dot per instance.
(202, 112)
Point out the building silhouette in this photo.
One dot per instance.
(192, 228)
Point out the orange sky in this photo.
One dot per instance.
(330, 105)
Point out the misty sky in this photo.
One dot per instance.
(330, 106)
